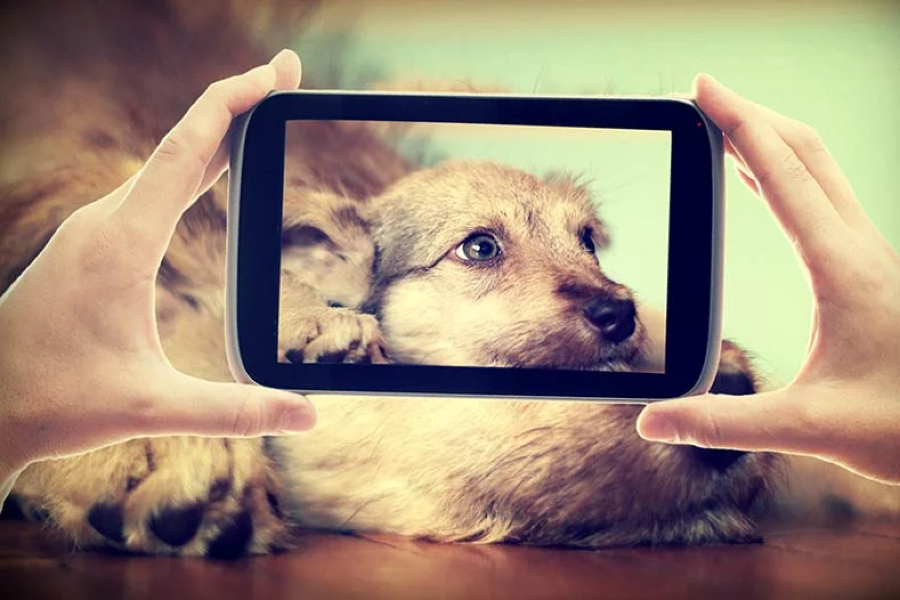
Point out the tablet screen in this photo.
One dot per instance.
(487, 245)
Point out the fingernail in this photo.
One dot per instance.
(658, 428)
(300, 417)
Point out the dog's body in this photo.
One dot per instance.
(539, 472)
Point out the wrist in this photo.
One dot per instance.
(7, 483)
(10, 464)
(13, 432)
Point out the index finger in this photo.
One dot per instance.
(792, 192)
(169, 181)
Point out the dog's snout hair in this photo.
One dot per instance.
(572, 287)
(523, 307)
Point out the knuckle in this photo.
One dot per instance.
(735, 126)
(172, 147)
(248, 418)
(216, 89)
(707, 432)
(765, 176)
(219, 92)
(220, 95)
(794, 167)
(145, 405)
(180, 147)
(789, 166)
(809, 139)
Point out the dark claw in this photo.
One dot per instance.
(295, 356)
(107, 519)
(177, 526)
(34, 513)
(333, 357)
(233, 541)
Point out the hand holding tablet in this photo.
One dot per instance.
(91, 372)
(844, 405)
(475, 276)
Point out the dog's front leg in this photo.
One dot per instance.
(309, 330)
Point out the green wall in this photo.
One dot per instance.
(835, 66)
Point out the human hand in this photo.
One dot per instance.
(844, 404)
(82, 365)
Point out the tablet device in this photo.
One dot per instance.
(521, 247)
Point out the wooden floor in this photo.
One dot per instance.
(794, 563)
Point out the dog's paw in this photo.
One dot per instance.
(169, 496)
(333, 335)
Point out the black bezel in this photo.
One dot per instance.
(692, 329)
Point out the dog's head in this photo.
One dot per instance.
(486, 265)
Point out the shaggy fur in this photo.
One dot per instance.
(110, 79)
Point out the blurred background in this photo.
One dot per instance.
(834, 65)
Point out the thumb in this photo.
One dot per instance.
(209, 409)
(770, 421)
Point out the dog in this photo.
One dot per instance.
(546, 473)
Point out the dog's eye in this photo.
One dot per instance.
(479, 247)
(587, 240)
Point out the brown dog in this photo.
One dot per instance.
(109, 84)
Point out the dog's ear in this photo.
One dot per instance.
(311, 234)
(303, 236)
(309, 253)
(326, 243)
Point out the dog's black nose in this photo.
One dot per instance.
(720, 460)
(614, 318)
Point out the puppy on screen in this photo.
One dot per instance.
(477, 264)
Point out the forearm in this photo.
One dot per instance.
(9, 466)
(12, 427)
